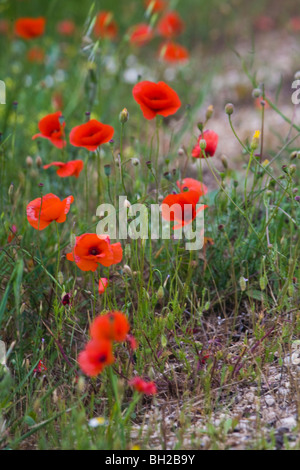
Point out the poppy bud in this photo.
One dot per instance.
(209, 112)
(160, 293)
(149, 165)
(224, 161)
(256, 93)
(135, 161)
(124, 116)
(263, 282)
(243, 283)
(127, 204)
(202, 144)
(127, 269)
(180, 152)
(200, 126)
(72, 240)
(60, 277)
(38, 161)
(29, 161)
(229, 108)
(293, 155)
(292, 169)
(168, 176)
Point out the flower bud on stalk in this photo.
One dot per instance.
(124, 116)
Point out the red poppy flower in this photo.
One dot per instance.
(29, 28)
(141, 34)
(40, 367)
(170, 25)
(211, 138)
(132, 342)
(103, 283)
(96, 356)
(156, 98)
(155, 5)
(36, 54)
(191, 184)
(72, 168)
(113, 326)
(66, 27)
(181, 208)
(52, 129)
(295, 24)
(42, 211)
(105, 25)
(12, 233)
(4, 27)
(91, 250)
(91, 135)
(141, 386)
(173, 53)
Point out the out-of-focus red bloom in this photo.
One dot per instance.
(72, 168)
(96, 356)
(156, 98)
(42, 211)
(91, 250)
(181, 208)
(113, 326)
(211, 138)
(264, 23)
(103, 283)
(155, 5)
(132, 342)
(258, 103)
(36, 54)
(12, 233)
(105, 25)
(51, 129)
(141, 386)
(57, 100)
(295, 24)
(66, 27)
(40, 367)
(191, 184)
(4, 27)
(172, 52)
(91, 135)
(140, 34)
(30, 28)
(170, 25)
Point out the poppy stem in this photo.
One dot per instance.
(99, 175)
(58, 251)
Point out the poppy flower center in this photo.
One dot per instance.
(102, 358)
(94, 251)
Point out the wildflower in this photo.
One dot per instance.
(156, 98)
(51, 128)
(181, 208)
(141, 386)
(173, 53)
(95, 356)
(170, 25)
(255, 140)
(105, 25)
(95, 422)
(211, 138)
(132, 342)
(72, 168)
(103, 283)
(113, 326)
(30, 28)
(91, 250)
(42, 211)
(40, 367)
(66, 27)
(36, 55)
(12, 233)
(91, 135)
(192, 184)
(141, 34)
(155, 5)
(66, 299)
